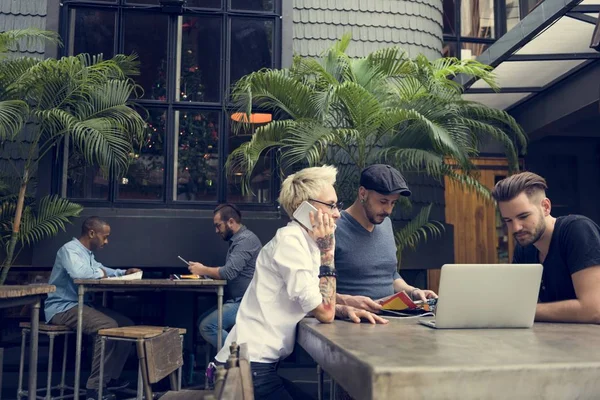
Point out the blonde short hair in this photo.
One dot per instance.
(303, 185)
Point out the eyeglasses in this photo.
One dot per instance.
(339, 205)
(218, 225)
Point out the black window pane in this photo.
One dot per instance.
(149, 2)
(85, 181)
(204, 3)
(200, 78)
(449, 17)
(251, 46)
(252, 5)
(197, 162)
(145, 177)
(146, 35)
(477, 18)
(261, 180)
(93, 32)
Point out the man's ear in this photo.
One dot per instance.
(546, 206)
(91, 233)
(362, 193)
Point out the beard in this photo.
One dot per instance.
(227, 235)
(525, 238)
(372, 216)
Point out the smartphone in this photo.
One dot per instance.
(183, 260)
(302, 214)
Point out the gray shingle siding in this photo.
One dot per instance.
(415, 26)
(21, 14)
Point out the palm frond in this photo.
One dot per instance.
(28, 37)
(13, 115)
(49, 216)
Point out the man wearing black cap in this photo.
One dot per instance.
(365, 250)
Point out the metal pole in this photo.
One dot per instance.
(22, 363)
(64, 366)
(81, 292)
(219, 317)
(33, 355)
(50, 356)
(101, 378)
(319, 382)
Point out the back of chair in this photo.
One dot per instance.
(238, 381)
(164, 354)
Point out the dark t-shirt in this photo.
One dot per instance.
(575, 245)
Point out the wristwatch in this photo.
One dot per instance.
(326, 270)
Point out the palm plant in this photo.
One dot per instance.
(42, 102)
(385, 107)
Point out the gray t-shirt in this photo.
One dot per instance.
(365, 262)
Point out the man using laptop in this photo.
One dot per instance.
(238, 269)
(365, 249)
(75, 260)
(568, 247)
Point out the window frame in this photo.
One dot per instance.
(171, 105)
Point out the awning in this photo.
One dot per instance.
(548, 45)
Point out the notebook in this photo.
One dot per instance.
(130, 277)
(487, 296)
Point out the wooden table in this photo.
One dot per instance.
(19, 295)
(109, 285)
(410, 361)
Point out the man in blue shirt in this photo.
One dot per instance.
(75, 260)
(365, 249)
(238, 270)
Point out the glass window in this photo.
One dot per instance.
(477, 18)
(470, 51)
(200, 75)
(144, 179)
(449, 17)
(85, 181)
(261, 181)
(197, 155)
(252, 5)
(512, 13)
(149, 2)
(99, 40)
(530, 5)
(204, 3)
(146, 35)
(251, 46)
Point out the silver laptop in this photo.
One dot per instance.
(487, 296)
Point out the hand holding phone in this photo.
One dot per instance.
(302, 214)
(183, 260)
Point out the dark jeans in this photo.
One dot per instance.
(116, 352)
(268, 385)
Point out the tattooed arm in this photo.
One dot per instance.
(322, 233)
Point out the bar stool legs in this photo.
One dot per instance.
(21, 364)
(50, 356)
(52, 335)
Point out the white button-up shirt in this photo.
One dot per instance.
(285, 287)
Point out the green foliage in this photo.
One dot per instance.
(385, 107)
(419, 228)
(41, 103)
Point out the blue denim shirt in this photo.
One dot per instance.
(73, 261)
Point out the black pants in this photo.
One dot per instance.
(268, 385)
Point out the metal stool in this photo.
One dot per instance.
(52, 331)
(137, 334)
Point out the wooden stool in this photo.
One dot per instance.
(52, 331)
(138, 334)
